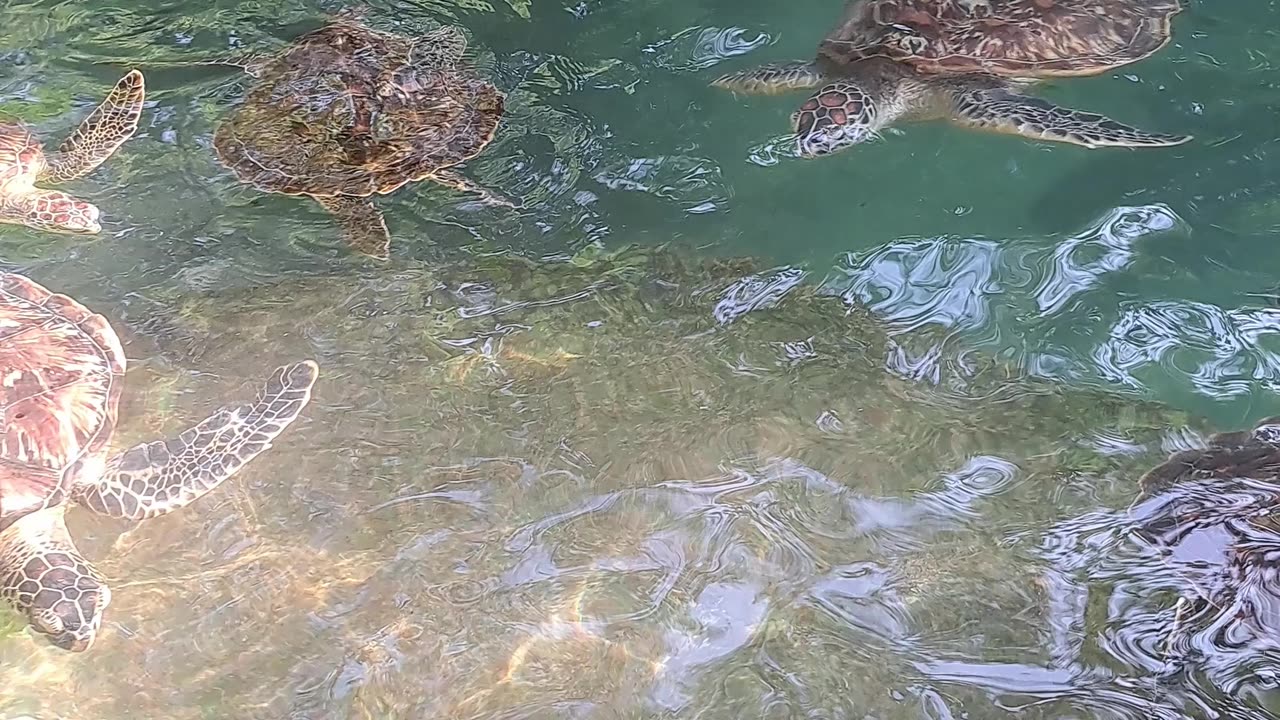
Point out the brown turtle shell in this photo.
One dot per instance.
(348, 110)
(1009, 38)
(1253, 453)
(61, 370)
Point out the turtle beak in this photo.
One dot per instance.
(830, 139)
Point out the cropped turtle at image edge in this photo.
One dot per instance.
(63, 370)
(967, 61)
(24, 163)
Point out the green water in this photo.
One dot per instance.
(585, 460)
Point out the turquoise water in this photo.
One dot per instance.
(583, 460)
(621, 141)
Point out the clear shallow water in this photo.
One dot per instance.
(538, 480)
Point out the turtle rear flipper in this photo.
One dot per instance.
(1002, 110)
(162, 476)
(45, 578)
(449, 178)
(363, 225)
(773, 79)
(106, 129)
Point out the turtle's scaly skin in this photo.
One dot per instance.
(348, 112)
(967, 61)
(23, 162)
(61, 371)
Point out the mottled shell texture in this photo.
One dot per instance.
(61, 370)
(351, 111)
(1012, 38)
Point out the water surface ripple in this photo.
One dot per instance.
(702, 430)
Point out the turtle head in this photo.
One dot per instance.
(838, 115)
(59, 212)
(68, 600)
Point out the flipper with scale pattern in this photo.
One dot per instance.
(363, 224)
(162, 476)
(1001, 110)
(105, 130)
(773, 78)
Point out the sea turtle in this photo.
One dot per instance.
(346, 112)
(967, 61)
(1253, 453)
(1213, 514)
(23, 162)
(61, 371)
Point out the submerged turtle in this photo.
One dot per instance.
(1253, 453)
(23, 162)
(966, 61)
(346, 112)
(62, 368)
(1221, 505)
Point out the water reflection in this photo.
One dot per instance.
(981, 289)
(1217, 351)
(636, 484)
(1181, 586)
(964, 283)
(530, 489)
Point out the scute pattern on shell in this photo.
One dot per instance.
(61, 368)
(1013, 38)
(21, 157)
(352, 111)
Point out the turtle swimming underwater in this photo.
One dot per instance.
(1213, 515)
(23, 162)
(347, 112)
(62, 369)
(966, 61)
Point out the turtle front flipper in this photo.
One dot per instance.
(162, 476)
(363, 225)
(773, 79)
(1002, 110)
(45, 578)
(106, 129)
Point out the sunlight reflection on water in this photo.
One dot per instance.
(549, 474)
